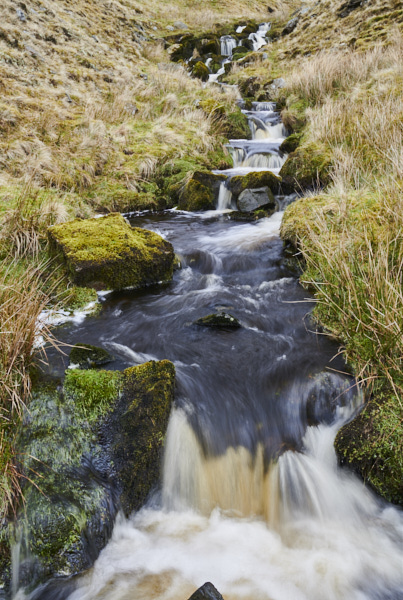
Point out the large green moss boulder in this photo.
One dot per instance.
(140, 422)
(253, 181)
(89, 446)
(308, 166)
(372, 445)
(107, 253)
(201, 191)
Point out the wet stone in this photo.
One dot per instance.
(85, 356)
(219, 321)
(251, 199)
(206, 592)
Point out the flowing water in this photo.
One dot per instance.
(251, 496)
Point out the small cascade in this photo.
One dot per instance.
(224, 197)
(259, 37)
(228, 43)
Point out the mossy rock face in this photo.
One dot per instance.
(254, 180)
(219, 321)
(86, 356)
(372, 445)
(233, 123)
(201, 191)
(89, 446)
(306, 167)
(291, 143)
(201, 71)
(141, 421)
(107, 253)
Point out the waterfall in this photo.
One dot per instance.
(224, 197)
(228, 43)
(259, 37)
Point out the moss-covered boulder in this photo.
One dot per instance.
(107, 253)
(307, 167)
(372, 445)
(141, 421)
(88, 447)
(201, 191)
(201, 71)
(219, 321)
(254, 180)
(291, 143)
(232, 121)
(85, 356)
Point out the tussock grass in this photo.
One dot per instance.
(21, 302)
(351, 234)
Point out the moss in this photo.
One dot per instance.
(79, 297)
(86, 356)
(291, 143)
(93, 391)
(232, 122)
(109, 254)
(308, 166)
(201, 191)
(148, 392)
(254, 180)
(200, 70)
(372, 445)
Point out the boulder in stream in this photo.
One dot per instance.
(107, 253)
(250, 200)
(253, 181)
(88, 447)
(206, 592)
(219, 321)
(201, 191)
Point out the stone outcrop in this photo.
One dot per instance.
(107, 253)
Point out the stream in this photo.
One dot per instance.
(251, 496)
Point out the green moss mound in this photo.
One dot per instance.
(107, 253)
(86, 356)
(201, 191)
(372, 445)
(200, 71)
(308, 166)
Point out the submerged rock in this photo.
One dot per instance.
(88, 448)
(206, 592)
(219, 320)
(107, 253)
(250, 200)
(86, 356)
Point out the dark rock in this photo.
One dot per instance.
(347, 7)
(249, 87)
(219, 321)
(270, 9)
(201, 191)
(21, 15)
(107, 253)
(210, 47)
(201, 71)
(206, 592)
(254, 180)
(291, 25)
(86, 356)
(250, 200)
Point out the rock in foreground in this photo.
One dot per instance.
(206, 592)
(107, 253)
(252, 199)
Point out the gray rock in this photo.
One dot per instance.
(250, 200)
(291, 25)
(170, 28)
(206, 592)
(181, 25)
(278, 83)
(21, 15)
(33, 52)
